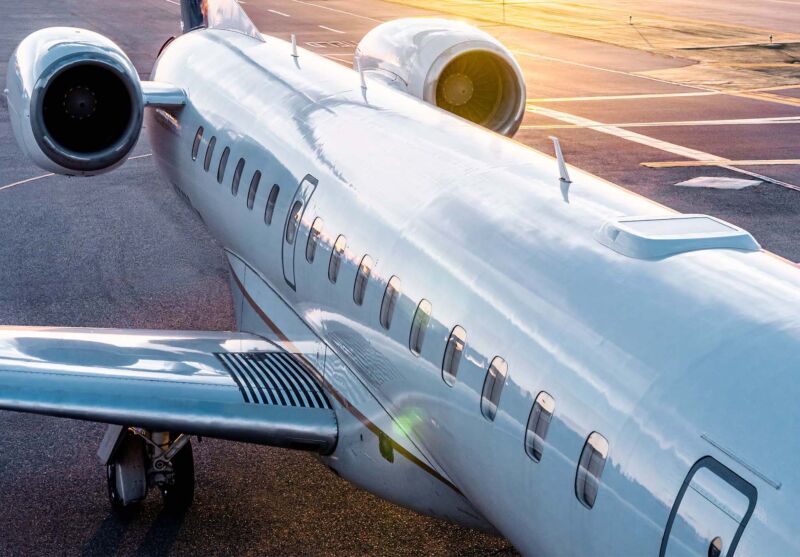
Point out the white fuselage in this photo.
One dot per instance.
(670, 360)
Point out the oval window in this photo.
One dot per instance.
(362, 278)
(336, 258)
(590, 469)
(271, 200)
(390, 297)
(538, 423)
(237, 177)
(198, 137)
(452, 354)
(251, 193)
(313, 239)
(419, 325)
(223, 162)
(209, 153)
(493, 387)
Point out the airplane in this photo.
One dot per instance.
(451, 320)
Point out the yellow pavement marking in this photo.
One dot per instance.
(769, 97)
(751, 162)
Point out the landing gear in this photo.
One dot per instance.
(179, 494)
(137, 460)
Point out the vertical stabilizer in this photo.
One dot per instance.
(217, 14)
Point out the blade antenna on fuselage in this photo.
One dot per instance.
(562, 165)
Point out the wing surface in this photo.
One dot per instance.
(233, 386)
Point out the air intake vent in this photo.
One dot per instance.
(659, 237)
(275, 378)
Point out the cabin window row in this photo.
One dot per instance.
(238, 172)
(595, 451)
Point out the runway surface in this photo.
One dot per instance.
(120, 250)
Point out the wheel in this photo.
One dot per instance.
(180, 493)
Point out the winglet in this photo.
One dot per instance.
(562, 165)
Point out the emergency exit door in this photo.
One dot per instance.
(291, 229)
(710, 512)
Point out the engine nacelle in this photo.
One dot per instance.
(75, 101)
(451, 65)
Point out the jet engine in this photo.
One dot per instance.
(450, 64)
(75, 101)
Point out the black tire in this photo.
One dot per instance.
(180, 494)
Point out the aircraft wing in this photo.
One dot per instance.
(227, 385)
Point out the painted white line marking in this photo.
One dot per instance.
(276, 12)
(633, 97)
(337, 11)
(173, 2)
(625, 97)
(761, 177)
(625, 134)
(665, 146)
(331, 29)
(26, 181)
(730, 122)
(718, 183)
(348, 63)
(609, 70)
(750, 162)
(33, 179)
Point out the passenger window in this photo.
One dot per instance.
(336, 258)
(419, 325)
(313, 239)
(223, 162)
(390, 296)
(538, 423)
(362, 278)
(209, 153)
(251, 194)
(493, 387)
(590, 468)
(294, 222)
(237, 177)
(271, 200)
(452, 354)
(198, 137)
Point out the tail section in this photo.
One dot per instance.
(217, 14)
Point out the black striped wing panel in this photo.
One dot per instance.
(276, 378)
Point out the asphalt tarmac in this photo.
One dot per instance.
(120, 250)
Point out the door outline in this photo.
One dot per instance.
(303, 194)
(731, 478)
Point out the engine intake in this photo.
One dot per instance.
(451, 65)
(75, 101)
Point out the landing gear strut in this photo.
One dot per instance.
(137, 460)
